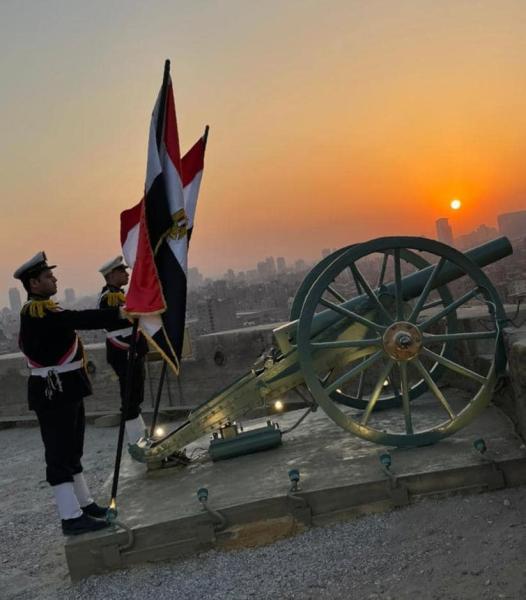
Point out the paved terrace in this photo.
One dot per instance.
(340, 474)
(341, 477)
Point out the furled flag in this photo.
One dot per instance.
(157, 246)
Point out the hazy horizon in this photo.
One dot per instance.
(330, 123)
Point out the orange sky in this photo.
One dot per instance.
(331, 122)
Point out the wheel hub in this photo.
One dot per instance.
(402, 341)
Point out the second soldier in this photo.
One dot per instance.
(118, 341)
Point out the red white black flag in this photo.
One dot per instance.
(193, 166)
(154, 235)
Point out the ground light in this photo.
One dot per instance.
(294, 475)
(385, 460)
(480, 445)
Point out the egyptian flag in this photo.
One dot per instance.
(193, 163)
(193, 166)
(130, 220)
(157, 291)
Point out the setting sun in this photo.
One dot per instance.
(455, 204)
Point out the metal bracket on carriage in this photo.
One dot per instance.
(397, 490)
(299, 506)
(266, 359)
(495, 479)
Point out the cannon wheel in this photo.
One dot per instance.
(402, 341)
(436, 371)
(310, 280)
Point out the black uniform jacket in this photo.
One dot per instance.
(52, 338)
(117, 347)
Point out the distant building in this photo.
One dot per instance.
(300, 265)
(271, 265)
(281, 265)
(444, 231)
(14, 300)
(69, 296)
(195, 279)
(252, 275)
(220, 288)
(264, 269)
(513, 225)
(481, 235)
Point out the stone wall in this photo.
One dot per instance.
(219, 359)
(516, 348)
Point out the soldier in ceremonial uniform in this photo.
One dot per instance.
(57, 384)
(118, 341)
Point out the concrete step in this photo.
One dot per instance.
(341, 477)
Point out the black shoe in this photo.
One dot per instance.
(94, 510)
(82, 524)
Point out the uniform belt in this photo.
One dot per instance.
(119, 332)
(44, 371)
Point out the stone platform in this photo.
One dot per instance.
(341, 477)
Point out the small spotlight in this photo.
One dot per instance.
(278, 405)
(385, 460)
(339, 391)
(480, 445)
(202, 494)
(159, 431)
(294, 475)
(386, 382)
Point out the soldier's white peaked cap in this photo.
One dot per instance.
(33, 267)
(114, 263)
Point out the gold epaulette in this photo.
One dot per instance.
(115, 298)
(37, 308)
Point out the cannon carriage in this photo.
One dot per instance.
(373, 326)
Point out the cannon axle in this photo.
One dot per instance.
(402, 341)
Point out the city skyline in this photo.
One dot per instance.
(366, 122)
(260, 270)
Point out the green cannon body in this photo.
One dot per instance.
(400, 329)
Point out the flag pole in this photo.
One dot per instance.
(163, 370)
(161, 118)
(112, 513)
(127, 396)
(159, 138)
(158, 399)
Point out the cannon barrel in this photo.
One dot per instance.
(412, 286)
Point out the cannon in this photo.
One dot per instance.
(373, 326)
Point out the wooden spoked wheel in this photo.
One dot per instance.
(400, 332)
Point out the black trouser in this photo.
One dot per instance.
(62, 427)
(120, 366)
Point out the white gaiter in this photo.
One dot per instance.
(81, 490)
(135, 429)
(67, 502)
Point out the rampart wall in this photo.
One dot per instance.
(219, 359)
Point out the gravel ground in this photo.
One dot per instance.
(454, 548)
